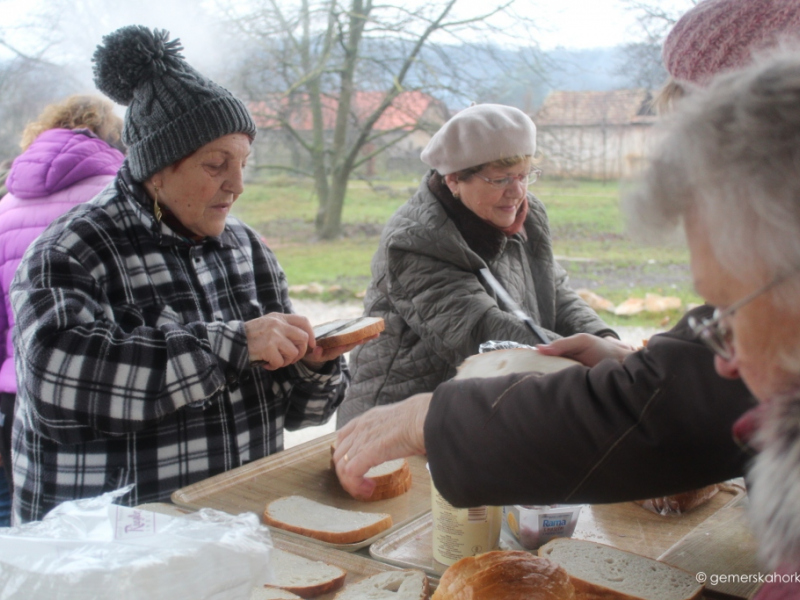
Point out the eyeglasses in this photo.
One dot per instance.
(716, 333)
(503, 182)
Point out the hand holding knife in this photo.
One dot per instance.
(320, 332)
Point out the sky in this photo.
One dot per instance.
(567, 23)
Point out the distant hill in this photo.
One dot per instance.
(523, 77)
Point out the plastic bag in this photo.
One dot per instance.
(94, 549)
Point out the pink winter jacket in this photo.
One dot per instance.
(60, 169)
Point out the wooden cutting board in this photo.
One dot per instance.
(304, 470)
(722, 545)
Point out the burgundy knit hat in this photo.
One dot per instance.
(717, 35)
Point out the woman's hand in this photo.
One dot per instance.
(319, 355)
(587, 349)
(278, 340)
(380, 434)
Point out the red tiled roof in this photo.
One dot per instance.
(404, 112)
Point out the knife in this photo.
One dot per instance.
(320, 332)
(506, 299)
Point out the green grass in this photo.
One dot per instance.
(588, 232)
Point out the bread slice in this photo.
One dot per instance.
(363, 328)
(601, 571)
(511, 360)
(398, 486)
(510, 575)
(322, 522)
(410, 584)
(388, 472)
(392, 478)
(272, 593)
(302, 576)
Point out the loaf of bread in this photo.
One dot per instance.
(391, 585)
(322, 522)
(510, 575)
(327, 337)
(677, 504)
(511, 360)
(601, 571)
(302, 576)
(392, 478)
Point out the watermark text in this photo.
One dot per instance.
(722, 578)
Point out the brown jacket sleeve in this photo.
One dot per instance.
(657, 424)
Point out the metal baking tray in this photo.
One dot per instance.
(625, 525)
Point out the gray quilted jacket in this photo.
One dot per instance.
(437, 311)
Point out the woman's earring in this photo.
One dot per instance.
(156, 207)
(456, 195)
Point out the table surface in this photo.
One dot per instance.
(713, 539)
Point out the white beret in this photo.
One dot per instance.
(478, 135)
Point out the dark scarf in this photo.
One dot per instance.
(484, 238)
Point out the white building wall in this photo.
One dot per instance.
(594, 152)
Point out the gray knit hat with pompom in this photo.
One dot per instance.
(172, 109)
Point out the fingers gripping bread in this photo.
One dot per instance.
(399, 484)
(392, 478)
(512, 575)
(320, 521)
(391, 585)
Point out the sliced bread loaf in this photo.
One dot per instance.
(511, 360)
(327, 523)
(509, 574)
(302, 576)
(601, 571)
(390, 585)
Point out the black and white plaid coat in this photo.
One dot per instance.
(132, 360)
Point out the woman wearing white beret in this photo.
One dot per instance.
(472, 211)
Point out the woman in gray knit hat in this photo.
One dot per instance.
(472, 212)
(155, 340)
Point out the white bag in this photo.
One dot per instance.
(93, 549)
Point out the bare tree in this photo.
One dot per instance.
(306, 61)
(642, 59)
(29, 79)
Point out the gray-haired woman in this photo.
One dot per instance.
(144, 316)
(728, 171)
